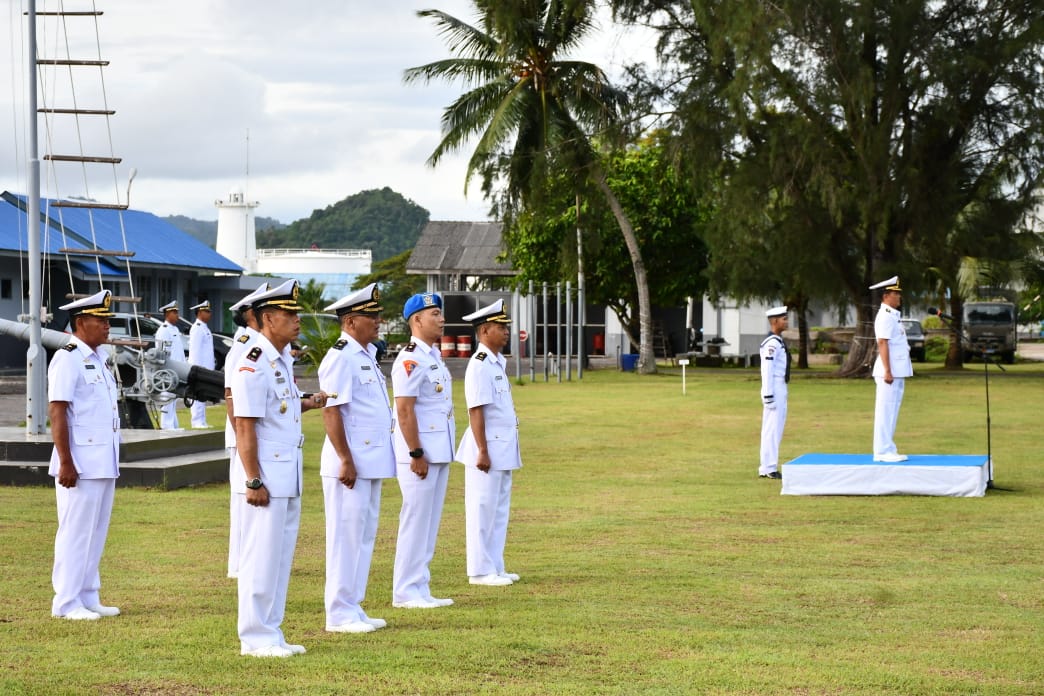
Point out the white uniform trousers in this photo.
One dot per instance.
(236, 504)
(169, 415)
(886, 414)
(83, 524)
(487, 504)
(199, 414)
(422, 501)
(772, 422)
(351, 530)
(266, 554)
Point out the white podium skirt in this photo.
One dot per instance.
(954, 475)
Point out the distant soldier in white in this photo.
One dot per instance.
(168, 337)
(357, 455)
(85, 427)
(489, 449)
(775, 375)
(892, 367)
(201, 352)
(268, 407)
(424, 437)
(246, 333)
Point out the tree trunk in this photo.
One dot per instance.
(955, 353)
(646, 357)
(863, 350)
(802, 362)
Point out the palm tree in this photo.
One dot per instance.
(528, 107)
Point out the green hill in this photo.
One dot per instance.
(381, 220)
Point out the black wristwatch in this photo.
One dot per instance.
(254, 484)
(417, 453)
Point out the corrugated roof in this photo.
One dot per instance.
(153, 240)
(469, 248)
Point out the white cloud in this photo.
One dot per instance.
(317, 85)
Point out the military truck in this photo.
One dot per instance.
(991, 329)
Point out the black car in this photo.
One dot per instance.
(915, 338)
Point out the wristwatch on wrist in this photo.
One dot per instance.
(417, 453)
(254, 484)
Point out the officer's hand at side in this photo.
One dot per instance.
(67, 475)
(347, 474)
(419, 466)
(257, 497)
(482, 462)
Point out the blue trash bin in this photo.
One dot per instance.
(629, 362)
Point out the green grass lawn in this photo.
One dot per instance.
(653, 561)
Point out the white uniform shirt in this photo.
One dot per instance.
(774, 361)
(201, 345)
(243, 341)
(263, 387)
(888, 326)
(78, 375)
(168, 334)
(352, 372)
(420, 372)
(486, 384)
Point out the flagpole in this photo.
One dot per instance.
(36, 357)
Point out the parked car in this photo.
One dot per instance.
(914, 337)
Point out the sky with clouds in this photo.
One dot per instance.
(307, 97)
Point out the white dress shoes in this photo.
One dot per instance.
(513, 577)
(295, 649)
(376, 623)
(102, 610)
(439, 601)
(352, 627)
(269, 651)
(890, 457)
(79, 614)
(492, 579)
(415, 604)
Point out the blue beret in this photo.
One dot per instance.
(424, 300)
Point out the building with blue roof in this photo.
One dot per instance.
(167, 264)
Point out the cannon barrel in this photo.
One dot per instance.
(49, 337)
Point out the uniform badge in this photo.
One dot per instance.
(282, 407)
(341, 343)
(438, 387)
(70, 347)
(482, 355)
(410, 347)
(254, 354)
(409, 365)
(244, 338)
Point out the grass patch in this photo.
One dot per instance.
(653, 561)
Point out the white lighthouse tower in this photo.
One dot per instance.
(235, 231)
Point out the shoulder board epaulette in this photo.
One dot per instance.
(341, 343)
(410, 347)
(70, 347)
(244, 338)
(254, 354)
(480, 355)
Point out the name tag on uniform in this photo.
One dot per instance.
(89, 366)
(366, 367)
(433, 367)
(499, 377)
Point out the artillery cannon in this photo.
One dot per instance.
(145, 374)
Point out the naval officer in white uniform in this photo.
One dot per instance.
(891, 368)
(168, 337)
(357, 455)
(201, 352)
(775, 375)
(489, 449)
(85, 427)
(424, 438)
(268, 407)
(246, 334)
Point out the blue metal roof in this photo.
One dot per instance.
(153, 240)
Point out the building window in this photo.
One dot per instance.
(5, 288)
